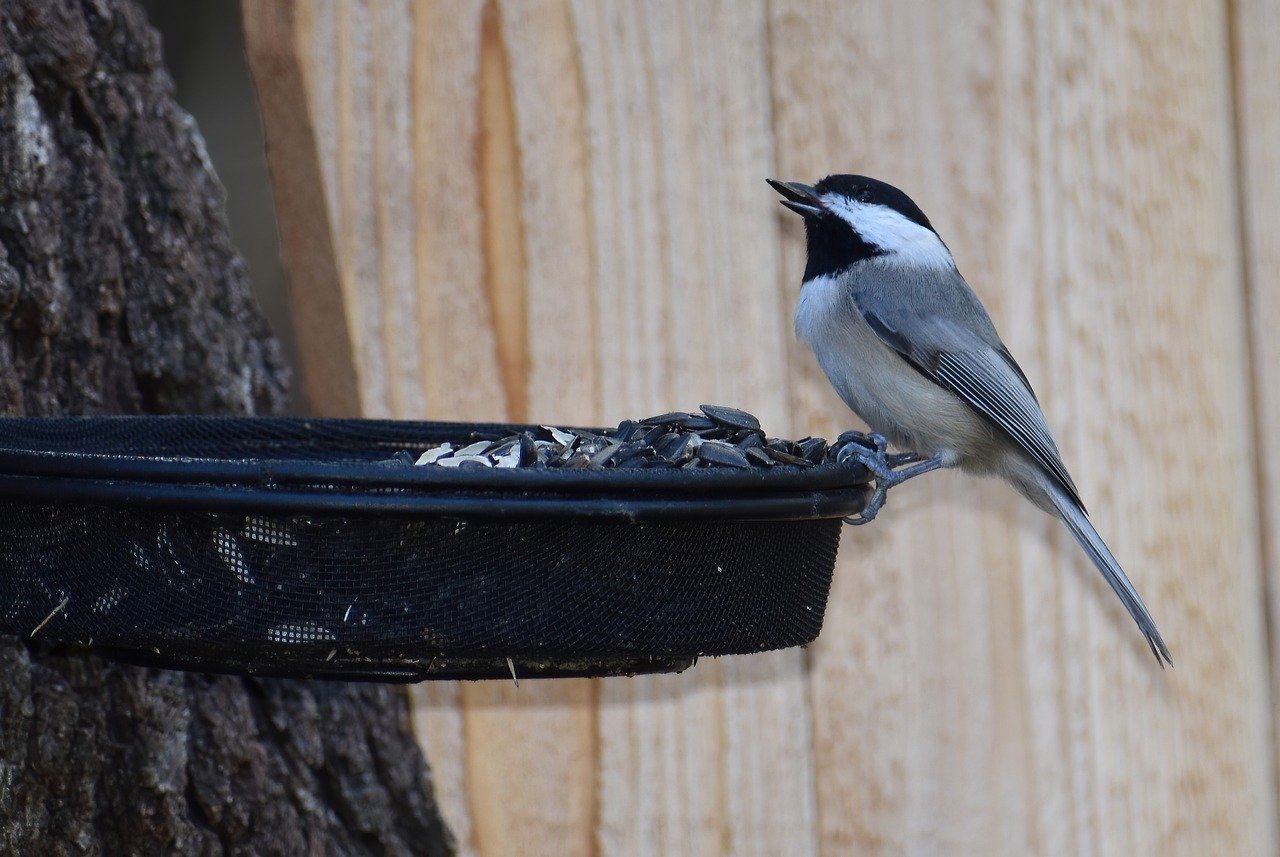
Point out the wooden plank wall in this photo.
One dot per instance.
(555, 211)
(1256, 58)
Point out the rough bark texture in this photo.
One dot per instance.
(120, 293)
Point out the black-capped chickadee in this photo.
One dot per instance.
(910, 348)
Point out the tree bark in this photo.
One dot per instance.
(121, 293)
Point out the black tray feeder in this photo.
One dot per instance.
(304, 547)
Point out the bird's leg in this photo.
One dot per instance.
(887, 469)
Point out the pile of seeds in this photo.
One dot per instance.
(716, 437)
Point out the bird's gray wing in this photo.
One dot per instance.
(960, 352)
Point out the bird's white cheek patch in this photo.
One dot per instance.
(891, 232)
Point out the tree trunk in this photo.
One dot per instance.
(120, 293)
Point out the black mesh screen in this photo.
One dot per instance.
(403, 596)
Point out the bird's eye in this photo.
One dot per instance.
(864, 194)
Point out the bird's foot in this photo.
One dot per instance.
(871, 451)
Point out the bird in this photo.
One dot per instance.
(911, 350)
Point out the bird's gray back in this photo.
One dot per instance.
(955, 319)
(936, 322)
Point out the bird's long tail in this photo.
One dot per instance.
(1079, 525)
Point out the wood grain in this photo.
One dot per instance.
(1257, 65)
(677, 109)
(326, 362)
(555, 211)
(1080, 164)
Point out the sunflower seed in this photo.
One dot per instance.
(528, 449)
(431, 456)
(693, 422)
(852, 437)
(601, 458)
(666, 419)
(786, 457)
(813, 449)
(718, 436)
(459, 460)
(651, 436)
(676, 447)
(716, 452)
(561, 436)
(658, 463)
(577, 461)
(731, 417)
(510, 457)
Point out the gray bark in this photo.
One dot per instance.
(121, 293)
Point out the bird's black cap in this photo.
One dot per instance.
(875, 192)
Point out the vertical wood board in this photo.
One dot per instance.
(555, 211)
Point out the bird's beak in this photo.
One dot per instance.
(800, 198)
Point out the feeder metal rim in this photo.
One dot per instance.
(260, 469)
(250, 500)
(448, 667)
(264, 472)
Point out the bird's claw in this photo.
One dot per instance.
(877, 461)
(888, 470)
